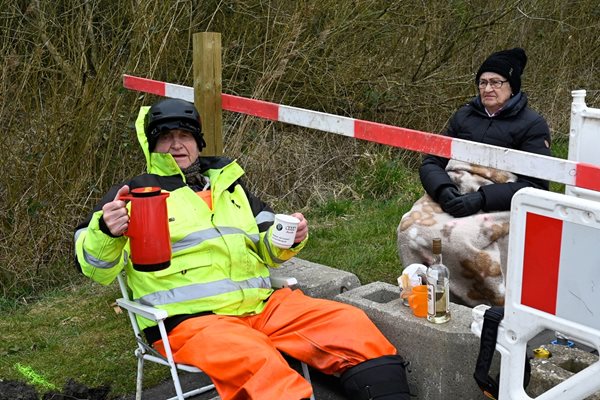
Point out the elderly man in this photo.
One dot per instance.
(224, 317)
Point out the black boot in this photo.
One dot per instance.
(382, 378)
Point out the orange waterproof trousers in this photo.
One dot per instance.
(242, 354)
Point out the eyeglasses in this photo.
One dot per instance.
(495, 84)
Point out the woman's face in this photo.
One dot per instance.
(180, 144)
(494, 98)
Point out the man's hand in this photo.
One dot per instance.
(302, 229)
(115, 213)
(465, 205)
(446, 195)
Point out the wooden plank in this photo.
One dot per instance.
(207, 89)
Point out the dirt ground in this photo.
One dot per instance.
(15, 390)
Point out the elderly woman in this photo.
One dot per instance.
(468, 205)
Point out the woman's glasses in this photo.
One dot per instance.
(494, 83)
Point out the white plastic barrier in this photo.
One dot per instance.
(584, 139)
(553, 271)
(553, 283)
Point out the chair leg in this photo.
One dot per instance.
(140, 378)
(307, 377)
(176, 382)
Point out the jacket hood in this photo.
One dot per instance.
(156, 163)
(165, 165)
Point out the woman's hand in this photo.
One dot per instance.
(447, 194)
(465, 205)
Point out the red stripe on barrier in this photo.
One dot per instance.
(541, 261)
(144, 85)
(409, 139)
(258, 108)
(587, 176)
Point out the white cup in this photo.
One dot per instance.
(283, 231)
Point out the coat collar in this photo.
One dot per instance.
(512, 107)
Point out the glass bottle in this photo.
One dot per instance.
(438, 287)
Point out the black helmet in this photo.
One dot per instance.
(170, 114)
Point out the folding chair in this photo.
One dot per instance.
(145, 351)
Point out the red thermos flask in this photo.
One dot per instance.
(148, 232)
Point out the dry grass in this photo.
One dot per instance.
(67, 123)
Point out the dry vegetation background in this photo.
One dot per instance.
(67, 123)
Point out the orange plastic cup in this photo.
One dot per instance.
(418, 301)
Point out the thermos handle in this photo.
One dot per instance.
(127, 197)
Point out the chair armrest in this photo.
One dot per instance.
(148, 312)
(278, 282)
(156, 314)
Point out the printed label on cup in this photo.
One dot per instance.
(284, 230)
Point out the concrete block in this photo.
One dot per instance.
(317, 280)
(442, 356)
(564, 363)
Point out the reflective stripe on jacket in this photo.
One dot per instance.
(220, 257)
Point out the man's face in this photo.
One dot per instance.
(180, 144)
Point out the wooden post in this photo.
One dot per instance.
(207, 89)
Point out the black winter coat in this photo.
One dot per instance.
(516, 127)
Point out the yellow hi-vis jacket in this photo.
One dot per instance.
(220, 257)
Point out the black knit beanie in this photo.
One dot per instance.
(508, 63)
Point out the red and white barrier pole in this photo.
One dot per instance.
(571, 173)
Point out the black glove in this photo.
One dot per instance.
(448, 193)
(465, 205)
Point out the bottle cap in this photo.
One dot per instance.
(436, 246)
(541, 352)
